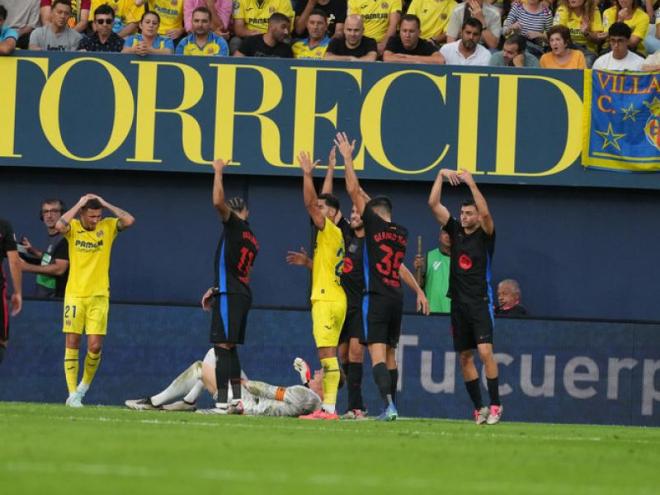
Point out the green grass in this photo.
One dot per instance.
(50, 449)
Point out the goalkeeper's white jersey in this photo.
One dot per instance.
(259, 400)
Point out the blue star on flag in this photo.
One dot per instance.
(610, 137)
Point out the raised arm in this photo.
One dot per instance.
(58, 267)
(408, 278)
(440, 211)
(352, 183)
(330, 174)
(482, 207)
(219, 190)
(62, 224)
(126, 220)
(309, 193)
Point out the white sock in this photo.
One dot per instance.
(181, 385)
(329, 408)
(192, 396)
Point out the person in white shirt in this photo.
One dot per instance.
(467, 50)
(258, 398)
(620, 58)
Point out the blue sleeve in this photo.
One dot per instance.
(169, 44)
(10, 33)
(224, 48)
(180, 46)
(129, 41)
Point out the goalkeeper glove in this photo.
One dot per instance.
(302, 367)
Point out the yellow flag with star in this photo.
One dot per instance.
(621, 120)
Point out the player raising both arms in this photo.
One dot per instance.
(472, 247)
(230, 300)
(382, 305)
(87, 295)
(328, 298)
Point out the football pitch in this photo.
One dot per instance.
(108, 450)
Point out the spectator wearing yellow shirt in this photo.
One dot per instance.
(434, 17)
(316, 44)
(170, 13)
(380, 17)
(127, 15)
(583, 20)
(202, 41)
(560, 55)
(630, 13)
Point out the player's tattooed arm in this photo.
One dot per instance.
(208, 297)
(219, 190)
(330, 174)
(63, 224)
(309, 193)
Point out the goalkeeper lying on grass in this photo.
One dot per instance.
(258, 398)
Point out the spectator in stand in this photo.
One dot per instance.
(23, 17)
(316, 44)
(56, 35)
(514, 54)
(148, 41)
(652, 41)
(335, 11)
(531, 20)
(652, 62)
(353, 46)
(220, 15)
(407, 47)
(8, 36)
(77, 18)
(252, 17)
(127, 15)
(435, 268)
(629, 12)
(271, 44)
(467, 50)
(620, 58)
(103, 39)
(560, 55)
(508, 299)
(202, 41)
(170, 13)
(380, 19)
(585, 24)
(434, 18)
(488, 16)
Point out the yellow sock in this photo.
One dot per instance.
(92, 362)
(71, 368)
(330, 383)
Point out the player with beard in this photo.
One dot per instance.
(472, 247)
(382, 304)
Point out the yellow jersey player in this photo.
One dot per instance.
(86, 300)
(328, 297)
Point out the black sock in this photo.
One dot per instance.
(222, 372)
(382, 379)
(394, 380)
(475, 393)
(235, 374)
(354, 377)
(493, 391)
(2, 352)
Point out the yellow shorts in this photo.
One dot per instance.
(327, 321)
(88, 314)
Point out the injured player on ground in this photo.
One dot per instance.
(258, 398)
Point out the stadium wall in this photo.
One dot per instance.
(550, 371)
(581, 253)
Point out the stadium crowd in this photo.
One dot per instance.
(558, 34)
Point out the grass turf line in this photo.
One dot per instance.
(108, 450)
